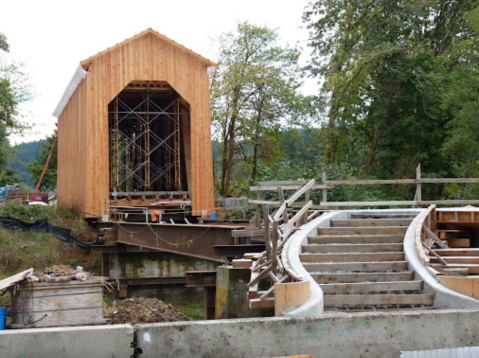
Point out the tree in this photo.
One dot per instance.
(253, 93)
(383, 68)
(13, 90)
(49, 181)
(461, 147)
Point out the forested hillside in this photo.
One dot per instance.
(25, 154)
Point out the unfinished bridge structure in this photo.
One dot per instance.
(134, 129)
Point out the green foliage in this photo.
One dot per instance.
(9, 176)
(14, 89)
(3, 43)
(385, 66)
(254, 93)
(461, 147)
(49, 181)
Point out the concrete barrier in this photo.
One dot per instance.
(72, 342)
(331, 335)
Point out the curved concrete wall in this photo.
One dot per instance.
(315, 303)
(445, 297)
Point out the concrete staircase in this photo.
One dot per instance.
(359, 264)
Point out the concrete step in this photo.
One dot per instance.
(355, 239)
(371, 287)
(384, 266)
(358, 301)
(383, 230)
(362, 277)
(357, 257)
(370, 222)
(317, 248)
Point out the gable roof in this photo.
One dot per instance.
(207, 62)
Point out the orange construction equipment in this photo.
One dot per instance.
(46, 165)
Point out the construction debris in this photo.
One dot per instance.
(144, 310)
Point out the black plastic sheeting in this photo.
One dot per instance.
(9, 222)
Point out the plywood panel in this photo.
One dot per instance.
(148, 57)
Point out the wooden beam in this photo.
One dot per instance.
(262, 275)
(257, 303)
(297, 217)
(444, 262)
(400, 203)
(434, 237)
(307, 186)
(418, 196)
(282, 200)
(12, 280)
(451, 271)
(274, 248)
(372, 182)
(267, 235)
(242, 263)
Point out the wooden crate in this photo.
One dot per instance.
(18, 195)
(47, 304)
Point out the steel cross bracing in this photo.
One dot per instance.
(133, 146)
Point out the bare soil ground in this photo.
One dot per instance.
(144, 310)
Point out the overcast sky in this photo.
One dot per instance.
(51, 37)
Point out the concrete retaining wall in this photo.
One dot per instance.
(333, 335)
(72, 342)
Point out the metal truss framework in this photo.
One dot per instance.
(145, 143)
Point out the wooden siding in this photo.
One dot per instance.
(72, 146)
(145, 58)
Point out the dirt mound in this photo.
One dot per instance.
(144, 310)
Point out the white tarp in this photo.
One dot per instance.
(79, 75)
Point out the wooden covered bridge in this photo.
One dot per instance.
(134, 127)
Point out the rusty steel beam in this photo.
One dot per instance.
(189, 240)
(115, 249)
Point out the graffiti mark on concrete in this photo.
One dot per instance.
(321, 331)
(9, 350)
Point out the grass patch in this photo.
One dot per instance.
(192, 309)
(22, 250)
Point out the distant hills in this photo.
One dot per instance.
(26, 153)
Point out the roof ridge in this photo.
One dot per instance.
(87, 61)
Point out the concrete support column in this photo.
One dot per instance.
(232, 294)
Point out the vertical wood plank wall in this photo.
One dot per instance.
(72, 147)
(145, 58)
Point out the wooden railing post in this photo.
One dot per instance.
(267, 235)
(305, 217)
(324, 191)
(275, 247)
(258, 212)
(418, 185)
(281, 200)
